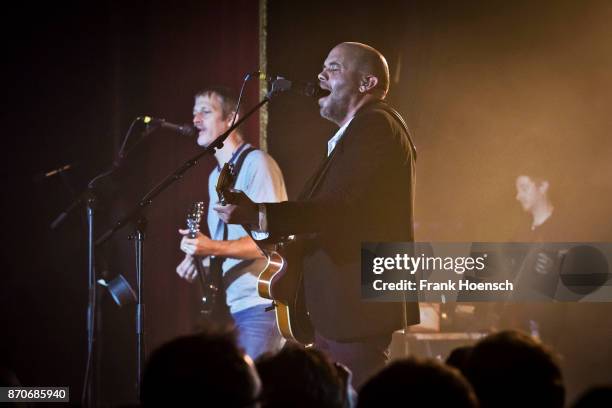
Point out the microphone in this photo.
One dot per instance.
(281, 84)
(310, 89)
(184, 130)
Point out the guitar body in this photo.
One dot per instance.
(282, 282)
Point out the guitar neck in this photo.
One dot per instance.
(197, 260)
(201, 271)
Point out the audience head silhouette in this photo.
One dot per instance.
(510, 369)
(299, 377)
(200, 369)
(419, 383)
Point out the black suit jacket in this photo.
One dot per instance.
(363, 192)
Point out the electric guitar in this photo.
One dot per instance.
(281, 279)
(209, 287)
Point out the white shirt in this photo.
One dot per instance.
(331, 144)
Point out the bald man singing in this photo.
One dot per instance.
(362, 192)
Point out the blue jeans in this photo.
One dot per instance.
(257, 331)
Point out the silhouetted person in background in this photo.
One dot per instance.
(559, 211)
(538, 271)
(532, 193)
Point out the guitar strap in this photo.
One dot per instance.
(216, 263)
(400, 121)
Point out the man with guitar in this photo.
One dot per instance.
(363, 191)
(235, 259)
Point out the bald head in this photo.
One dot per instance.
(355, 74)
(369, 61)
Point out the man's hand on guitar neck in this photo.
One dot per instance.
(239, 210)
(201, 245)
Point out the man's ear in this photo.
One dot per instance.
(544, 186)
(368, 83)
(230, 118)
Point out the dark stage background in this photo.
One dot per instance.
(489, 89)
(74, 80)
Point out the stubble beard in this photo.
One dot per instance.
(334, 110)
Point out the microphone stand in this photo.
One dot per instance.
(89, 198)
(88, 397)
(136, 215)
